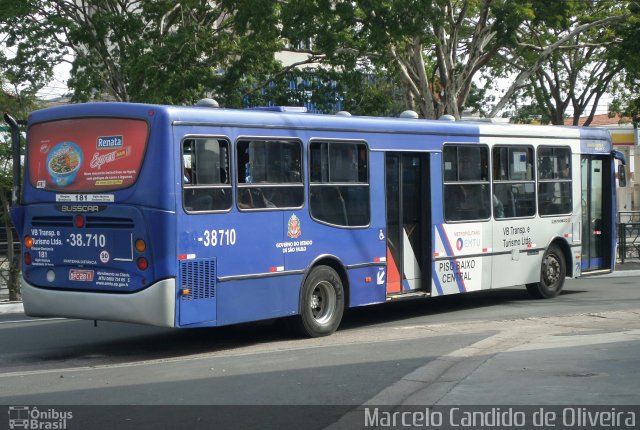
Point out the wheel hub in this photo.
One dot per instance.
(552, 272)
(322, 302)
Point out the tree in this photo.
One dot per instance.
(145, 50)
(627, 102)
(18, 103)
(436, 48)
(564, 61)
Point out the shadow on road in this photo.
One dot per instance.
(75, 343)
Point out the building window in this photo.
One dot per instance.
(339, 183)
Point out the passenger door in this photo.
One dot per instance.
(596, 216)
(408, 209)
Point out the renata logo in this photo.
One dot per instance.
(108, 142)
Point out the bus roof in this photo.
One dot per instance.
(251, 118)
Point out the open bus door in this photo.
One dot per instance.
(408, 223)
(596, 213)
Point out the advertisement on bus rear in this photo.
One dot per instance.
(86, 155)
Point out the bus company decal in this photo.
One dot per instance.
(294, 231)
(293, 227)
(113, 279)
(294, 246)
(456, 272)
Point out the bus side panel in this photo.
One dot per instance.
(460, 250)
(306, 240)
(519, 245)
(348, 247)
(462, 262)
(367, 292)
(258, 299)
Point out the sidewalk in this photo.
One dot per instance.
(629, 268)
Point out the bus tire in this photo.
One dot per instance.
(321, 303)
(552, 275)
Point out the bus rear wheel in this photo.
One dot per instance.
(552, 275)
(322, 303)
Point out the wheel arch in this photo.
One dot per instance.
(335, 263)
(562, 243)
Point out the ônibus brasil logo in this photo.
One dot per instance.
(27, 417)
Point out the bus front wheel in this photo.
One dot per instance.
(553, 273)
(322, 303)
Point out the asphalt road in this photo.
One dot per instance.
(385, 354)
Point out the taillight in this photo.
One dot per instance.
(140, 245)
(27, 258)
(142, 263)
(28, 242)
(78, 221)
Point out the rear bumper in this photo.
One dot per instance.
(154, 305)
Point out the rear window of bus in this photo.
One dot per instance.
(86, 155)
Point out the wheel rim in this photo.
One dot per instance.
(552, 268)
(322, 302)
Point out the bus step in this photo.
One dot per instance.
(596, 272)
(410, 295)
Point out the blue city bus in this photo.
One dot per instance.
(197, 216)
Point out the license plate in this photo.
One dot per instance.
(81, 275)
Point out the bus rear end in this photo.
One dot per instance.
(87, 222)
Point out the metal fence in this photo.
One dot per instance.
(4, 259)
(628, 235)
(4, 244)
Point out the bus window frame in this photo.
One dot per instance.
(237, 185)
(368, 183)
(570, 180)
(185, 186)
(488, 182)
(534, 174)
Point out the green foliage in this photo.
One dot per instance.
(573, 77)
(627, 102)
(145, 50)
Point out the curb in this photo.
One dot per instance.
(617, 274)
(11, 308)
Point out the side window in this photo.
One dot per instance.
(339, 185)
(269, 174)
(513, 182)
(554, 181)
(205, 175)
(466, 182)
